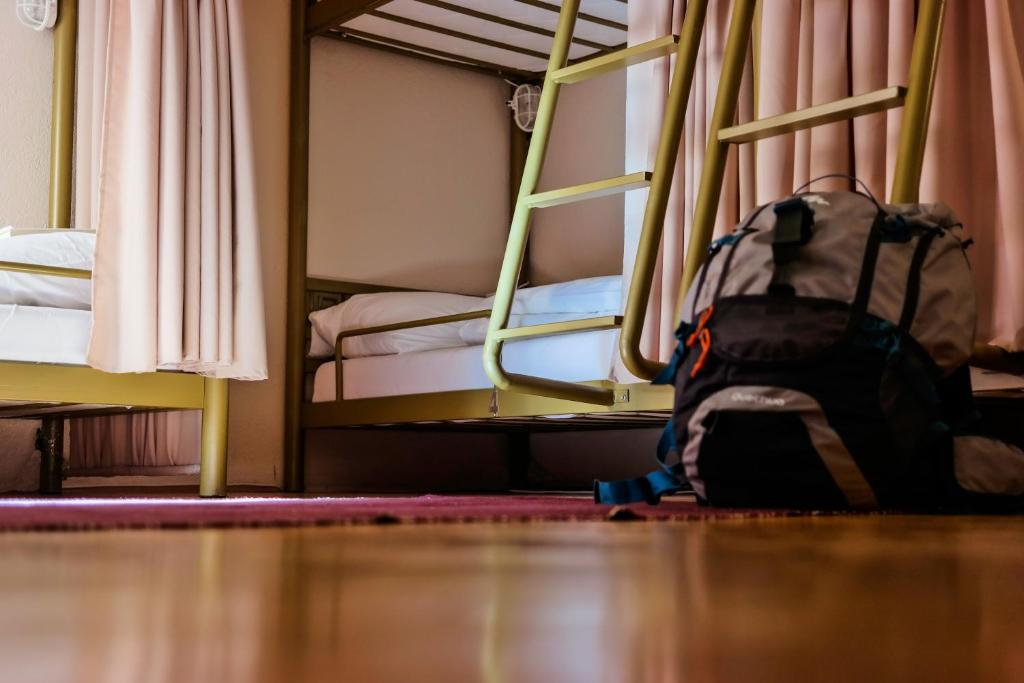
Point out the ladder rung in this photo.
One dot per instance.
(605, 322)
(620, 59)
(598, 188)
(848, 108)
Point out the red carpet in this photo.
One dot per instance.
(24, 514)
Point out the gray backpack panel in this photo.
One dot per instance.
(923, 245)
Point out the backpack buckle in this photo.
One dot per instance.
(793, 223)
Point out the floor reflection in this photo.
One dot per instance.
(866, 598)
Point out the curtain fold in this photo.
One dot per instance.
(814, 51)
(158, 443)
(165, 174)
(169, 187)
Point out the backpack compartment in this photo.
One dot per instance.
(791, 407)
(920, 271)
(763, 446)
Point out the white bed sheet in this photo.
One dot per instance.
(989, 380)
(577, 357)
(37, 334)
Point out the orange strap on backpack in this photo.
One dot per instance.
(703, 335)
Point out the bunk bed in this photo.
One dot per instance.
(574, 356)
(43, 374)
(513, 39)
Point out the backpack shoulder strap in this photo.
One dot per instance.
(650, 487)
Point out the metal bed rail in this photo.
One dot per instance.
(53, 271)
(392, 327)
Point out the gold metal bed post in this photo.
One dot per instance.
(924, 62)
(62, 138)
(298, 212)
(657, 198)
(213, 466)
(62, 117)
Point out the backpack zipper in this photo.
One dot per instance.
(703, 335)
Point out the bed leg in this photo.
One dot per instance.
(213, 458)
(51, 448)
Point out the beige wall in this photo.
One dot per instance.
(25, 64)
(587, 143)
(406, 191)
(408, 171)
(256, 434)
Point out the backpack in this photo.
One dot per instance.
(822, 363)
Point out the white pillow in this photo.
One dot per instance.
(384, 308)
(65, 248)
(589, 295)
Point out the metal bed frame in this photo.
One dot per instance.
(519, 400)
(52, 392)
(506, 407)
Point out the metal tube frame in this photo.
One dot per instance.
(62, 120)
(339, 358)
(583, 16)
(636, 306)
(452, 33)
(924, 62)
(298, 216)
(657, 198)
(428, 54)
(213, 463)
(515, 250)
(715, 157)
(50, 444)
(510, 23)
(54, 271)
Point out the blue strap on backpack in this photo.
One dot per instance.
(662, 481)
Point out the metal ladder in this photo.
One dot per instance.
(916, 99)
(659, 179)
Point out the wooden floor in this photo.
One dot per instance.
(813, 599)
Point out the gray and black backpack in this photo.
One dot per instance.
(822, 363)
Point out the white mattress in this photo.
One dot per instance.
(577, 357)
(44, 335)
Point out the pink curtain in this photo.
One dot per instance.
(169, 185)
(165, 175)
(149, 443)
(814, 51)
